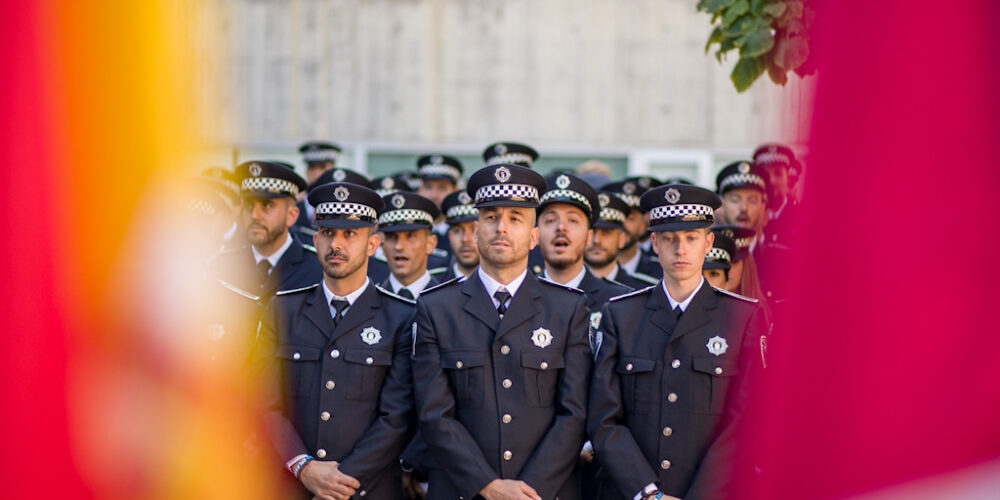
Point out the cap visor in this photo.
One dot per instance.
(342, 223)
(507, 203)
(679, 226)
(402, 228)
(464, 218)
(606, 224)
(264, 194)
(711, 264)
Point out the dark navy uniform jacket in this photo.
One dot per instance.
(502, 398)
(339, 393)
(666, 395)
(298, 267)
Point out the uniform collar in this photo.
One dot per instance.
(276, 256)
(415, 288)
(687, 301)
(492, 285)
(350, 298)
(633, 263)
(574, 283)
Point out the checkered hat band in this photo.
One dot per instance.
(405, 216)
(681, 213)
(742, 243)
(201, 206)
(515, 158)
(741, 180)
(321, 155)
(336, 210)
(610, 214)
(719, 255)
(773, 158)
(630, 199)
(442, 170)
(511, 192)
(269, 184)
(566, 193)
(461, 211)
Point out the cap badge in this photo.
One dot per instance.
(603, 198)
(464, 198)
(672, 195)
(388, 183)
(255, 170)
(541, 338)
(398, 201)
(562, 182)
(339, 175)
(629, 188)
(502, 174)
(644, 182)
(744, 168)
(717, 345)
(341, 193)
(500, 149)
(371, 335)
(436, 160)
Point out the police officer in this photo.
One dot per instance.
(646, 182)
(304, 224)
(389, 184)
(319, 157)
(407, 241)
(439, 176)
(228, 186)
(743, 188)
(273, 260)
(608, 239)
(782, 168)
(510, 153)
(334, 358)
(718, 260)
(566, 213)
(460, 214)
(668, 388)
(501, 360)
(631, 257)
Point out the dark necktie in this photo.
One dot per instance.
(339, 306)
(678, 312)
(501, 295)
(406, 293)
(263, 270)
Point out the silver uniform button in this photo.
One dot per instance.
(459, 364)
(505, 349)
(324, 416)
(362, 493)
(506, 418)
(665, 464)
(675, 363)
(507, 455)
(507, 383)
(667, 431)
(718, 370)
(330, 384)
(335, 353)
(544, 365)
(321, 453)
(628, 367)
(672, 397)
(369, 361)
(296, 356)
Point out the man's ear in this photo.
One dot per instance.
(534, 238)
(711, 241)
(623, 239)
(373, 242)
(292, 213)
(432, 242)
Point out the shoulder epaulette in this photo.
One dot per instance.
(652, 280)
(736, 295)
(238, 290)
(309, 247)
(400, 297)
(560, 285)
(439, 252)
(437, 270)
(296, 290)
(439, 286)
(380, 258)
(632, 293)
(307, 230)
(613, 282)
(653, 258)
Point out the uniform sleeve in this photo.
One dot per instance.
(614, 446)
(716, 474)
(555, 457)
(449, 441)
(387, 436)
(267, 382)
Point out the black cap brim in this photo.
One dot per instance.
(667, 227)
(606, 224)
(714, 264)
(342, 223)
(264, 194)
(402, 228)
(463, 219)
(507, 203)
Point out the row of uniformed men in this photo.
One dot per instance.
(501, 360)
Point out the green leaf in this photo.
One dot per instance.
(715, 37)
(777, 74)
(714, 6)
(774, 9)
(757, 6)
(747, 70)
(735, 11)
(756, 43)
(790, 52)
(740, 27)
(724, 46)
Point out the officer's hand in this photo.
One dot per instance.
(411, 487)
(587, 456)
(508, 489)
(325, 480)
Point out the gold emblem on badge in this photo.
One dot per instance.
(541, 338)
(371, 335)
(744, 168)
(717, 345)
(388, 183)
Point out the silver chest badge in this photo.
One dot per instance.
(541, 337)
(717, 345)
(371, 335)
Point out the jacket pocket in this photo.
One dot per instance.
(300, 367)
(367, 370)
(541, 377)
(637, 383)
(466, 372)
(711, 383)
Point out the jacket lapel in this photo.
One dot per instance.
(522, 306)
(697, 313)
(317, 310)
(362, 311)
(284, 272)
(662, 316)
(478, 304)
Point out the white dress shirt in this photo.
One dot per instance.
(575, 282)
(633, 263)
(276, 256)
(415, 288)
(493, 285)
(687, 301)
(350, 298)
